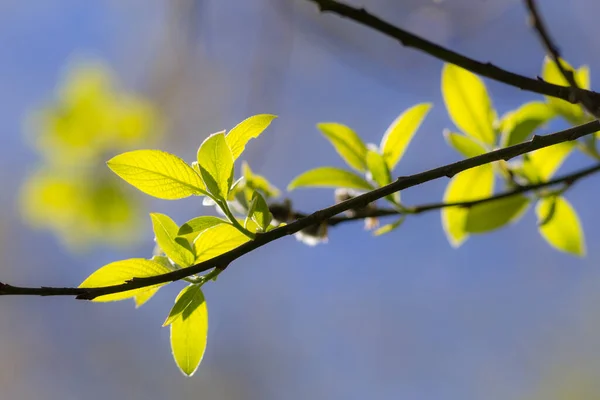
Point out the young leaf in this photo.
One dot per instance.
(472, 184)
(492, 215)
(259, 211)
(158, 174)
(399, 134)
(573, 113)
(465, 145)
(545, 162)
(119, 272)
(347, 144)
(200, 224)
(330, 177)
(183, 301)
(166, 231)
(215, 161)
(468, 103)
(563, 229)
(389, 227)
(378, 168)
(258, 182)
(217, 240)
(244, 131)
(516, 126)
(189, 329)
(143, 297)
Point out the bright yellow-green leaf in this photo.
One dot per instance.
(166, 231)
(495, 214)
(399, 134)
(465, 145)
(215, 161)
(217, 240)
(200, 224)
(189, 330)
(545, 162)
(472, 184)
(247, 129)
(258, 182)
(563, 229)
(259, 211)
(389, 227)
(518, 125)
(143, 297)
(119, 272)
(378, 168)
(184, 299)
(158, 174)
(347, 144)
(550, 73)
(468, 103)
(330, 177)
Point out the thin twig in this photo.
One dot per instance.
(488, 70)
(404, 182)
(577, 94)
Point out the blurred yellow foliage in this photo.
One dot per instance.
(73, 193)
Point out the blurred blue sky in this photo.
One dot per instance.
(400, 316)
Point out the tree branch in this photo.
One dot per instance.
(403, 182)
(361, 16)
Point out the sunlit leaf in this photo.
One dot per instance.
(119, 272)
(398, 135)
(518, 125)
(217, 240)
(468, 103)
(378, 168)
(143, 297)
(472, 184)
(259, 211)
(389, 227)
(244, 131)
(330, 177)
(158, 174)
(200, 224)
(215, 161)
(347, 144)
(563, 229)
(189, 329)
(257, 182)
(465, 145)
(166, 231)
(495, 214)
(545, 162)
(550, 73)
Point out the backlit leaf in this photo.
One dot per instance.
(494, 214)
(215, 161)
(543, 163)
(472, 184)
(378, 168)
(330, 177)
(200, 224)
(550, 73)
(189, 329)
(244, 131)
(143, 297)
(398, 135)
(518, 125)
(389, 227)
(259, 211)
(158, 174)
(563, 229)
(166, 231)
(347, 144)
(468, 103)
(465, 145)
(119, 272)
(257, 182)
(217, 240)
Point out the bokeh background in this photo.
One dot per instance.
(400, 316)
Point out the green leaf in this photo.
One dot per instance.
(189, 329)
(516, 126)
(573, 113)
(378, 168)
(158, 174)
(495, 214)
(215, 161)
(119, 272)
(389, 227)
(258, 182)
(259, 211)
(468, 103)
(563, 229)
(143, 297)
(217, 240)
(399, 134)
(166, 231)
(472, 184)
(347, 144)
(330, 177)
(543, 163)
(247, 129)
(465, 145)
(200, 224)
